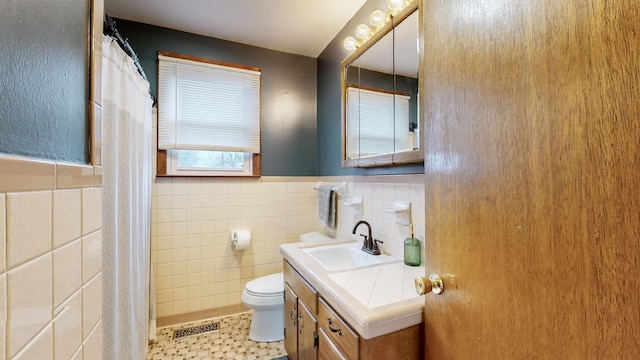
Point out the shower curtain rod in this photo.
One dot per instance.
(109, 28)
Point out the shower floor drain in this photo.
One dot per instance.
(200, 329)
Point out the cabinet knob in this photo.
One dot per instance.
(293, 309)
(431, 284)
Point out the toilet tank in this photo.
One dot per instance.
(314, 236)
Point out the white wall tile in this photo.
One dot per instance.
(163, 186)
(3, 233)
(164, 296)
(67, 271)
(29, 294)
(67, 332)
(403, 192)
(3, 314)
(91, 255)
(417, 193)
(178, 186)
(41, 347)
(91, 210)
(194, 305)
(91, 304)
(67, 205)
(77, 355)
(92, 347)
(165, 309)
(164, 283)
(180, 307)
(28, 226)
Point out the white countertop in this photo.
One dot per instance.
(374, 300)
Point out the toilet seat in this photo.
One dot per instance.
(266, 286)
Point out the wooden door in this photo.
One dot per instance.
(307, 328)
(532, 175)
(290, 323)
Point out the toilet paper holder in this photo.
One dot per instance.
(240, 239)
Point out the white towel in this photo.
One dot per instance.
(327, 206)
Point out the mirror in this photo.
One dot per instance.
(380, 96)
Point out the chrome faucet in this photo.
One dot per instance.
(370, 245)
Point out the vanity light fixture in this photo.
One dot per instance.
(350, 43)
(378, 19)
(363, 32)
(395, 5)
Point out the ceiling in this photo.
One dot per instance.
(303, 27)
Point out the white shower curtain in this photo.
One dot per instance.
(126, 194)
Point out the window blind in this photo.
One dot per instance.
(204, 106)
(378, 122)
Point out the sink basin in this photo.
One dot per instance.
(345, 256)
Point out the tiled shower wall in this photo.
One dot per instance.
(50, 260)
(197, 269)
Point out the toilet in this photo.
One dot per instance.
(265, 296)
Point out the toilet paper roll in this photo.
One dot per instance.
(242, 239)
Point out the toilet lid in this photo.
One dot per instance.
(269, 284)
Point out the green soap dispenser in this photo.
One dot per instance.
(412, 249)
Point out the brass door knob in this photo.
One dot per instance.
(431, 284)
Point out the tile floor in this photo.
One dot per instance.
(231, 341)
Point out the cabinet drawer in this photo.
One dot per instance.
(304, 291)
(340, 334)
(326, 349)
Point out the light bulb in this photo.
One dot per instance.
(395, 5)
(377, 19)
(363, 32)
(350, 43)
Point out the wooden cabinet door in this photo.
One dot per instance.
(307, 349)
(290, 323)
(532, 158)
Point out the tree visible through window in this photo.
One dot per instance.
(210, 159)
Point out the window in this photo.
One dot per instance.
(206, 163)
(208, 117)
(382, 122)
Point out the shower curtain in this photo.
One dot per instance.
(126, 194)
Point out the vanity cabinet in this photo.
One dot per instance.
(300, 309)
(314, 330)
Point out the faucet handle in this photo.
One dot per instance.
(366, 242)
(375, 245)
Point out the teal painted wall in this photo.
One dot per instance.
(44, 83)
(288, 98)
(329, 107)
